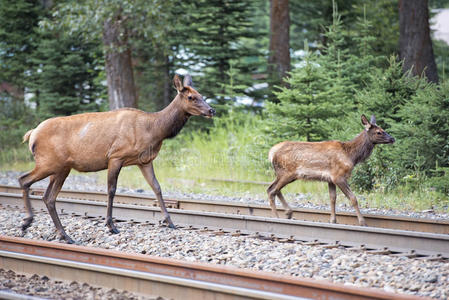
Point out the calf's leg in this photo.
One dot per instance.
(333, 198)
(348, 193)
(287, 207)
(275, 190)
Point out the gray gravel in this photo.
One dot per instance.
(393, 274)
(43, 287)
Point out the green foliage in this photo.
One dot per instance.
(312, 98)
(423, 130)
(65, 76)
(18, 21)
(15, 120)
(219, 31)
(440, 180)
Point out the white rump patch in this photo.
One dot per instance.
(273, 150)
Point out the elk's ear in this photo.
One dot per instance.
(177, 83)
(373, 120)
(365, 122)
(188, 80)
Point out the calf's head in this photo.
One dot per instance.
(191, 101)
(376, 134)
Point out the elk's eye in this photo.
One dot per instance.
(189, 97)
(379, 133)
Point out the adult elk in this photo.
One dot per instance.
(331, 161)
(111, 140)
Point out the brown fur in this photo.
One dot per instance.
(106, 140)
(329, 161)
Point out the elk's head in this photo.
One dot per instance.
(192, 101)
(376, 134)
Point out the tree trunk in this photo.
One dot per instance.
(119, 70)
(415, 45)
(279, 59)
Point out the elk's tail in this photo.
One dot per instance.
(26, 137)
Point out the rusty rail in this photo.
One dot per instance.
(433, 246)
(167, 277)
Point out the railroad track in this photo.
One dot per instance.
(433, 246)
(168, 278)
(313, 215)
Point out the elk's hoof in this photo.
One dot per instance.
(362, 222)
(169, 223)
(26, 223)
(333, 221)
(289, 214)
(114, 230)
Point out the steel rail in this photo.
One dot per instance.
(314, 215)
(397, 241)
(170, 278)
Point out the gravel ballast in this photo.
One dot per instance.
(391, 273)
(43, 287)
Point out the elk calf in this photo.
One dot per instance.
(106, 140)
(331, 161)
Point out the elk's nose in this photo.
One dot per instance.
(212, 112)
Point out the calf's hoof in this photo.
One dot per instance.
(362, 222)
(66, 238)
(289, 214)
(112, 228)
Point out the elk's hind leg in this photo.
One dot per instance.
(333, 199)
(53, 189)
(25, 182)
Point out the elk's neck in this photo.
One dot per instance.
(171, 120)
(360, 148)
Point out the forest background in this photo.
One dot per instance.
(274, 70)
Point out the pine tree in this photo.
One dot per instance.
(65, 78)
(305, 108)
(18, 22)
(217, 38)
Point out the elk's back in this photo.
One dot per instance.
(87, 141)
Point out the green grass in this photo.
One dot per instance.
(231, 149)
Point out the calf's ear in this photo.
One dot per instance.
(365, 122)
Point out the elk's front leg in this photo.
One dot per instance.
(114, 168)
(148, 173)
